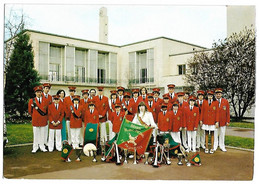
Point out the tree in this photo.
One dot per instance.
(21, 77)
(229, 65)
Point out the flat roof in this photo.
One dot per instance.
(161, 37)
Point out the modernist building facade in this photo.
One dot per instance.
(64, 61)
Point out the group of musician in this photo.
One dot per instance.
(189, 119)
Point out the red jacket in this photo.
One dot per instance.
(112, 107)
(153, 110)
(55, 115)
(140, 98)
(177, 121)
(224, 113)
(209, 114)
(135, 104)
(76, 122)
(102, 107)
(129, 107)
(91, 118)
(159, 107)
(117, 120)
(49, 99)
(175, 98)
(164, 121)
(191, 118)
(37, 119)
(158, 102)
(85, 106)
(200, 106)
(67, 102)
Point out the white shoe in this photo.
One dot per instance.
(203, 147)
(211, 151)
(68, 160)
(224, 150)
(206, 150)
(34, 150)
(43, 150)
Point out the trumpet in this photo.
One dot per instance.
(155, 164)
(117, 155)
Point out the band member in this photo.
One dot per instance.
(92, 93)
(68, 102)
(186, 96)
(56, 115)
(181, 102)
(62, 95)
(84, 103)
(191, 117)
(177, 122)
(48, 98)
(166, 100)
(128, 106)
(102, 106)
(112, 101)
(143, 92)
(38, 108)
(200, 132)
(143, 117)
(117, 117)
(164, 120)
(209, 119)
(75, 121)
(224, 119)
(135, 100)
(151, 106)
(120, 92)
(91, 114)
(156, 94)
(172, 95)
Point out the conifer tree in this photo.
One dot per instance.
(21, 77)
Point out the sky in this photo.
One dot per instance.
(198, 24)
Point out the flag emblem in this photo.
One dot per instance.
(65, 151)
(91, 129)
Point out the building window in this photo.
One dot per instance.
(101, 76)
(141, 66)
(80, 74)
(54, 72)
(182, 69)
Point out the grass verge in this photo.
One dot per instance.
(242, 125)
(240, 142)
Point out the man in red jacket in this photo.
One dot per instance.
(38, 109)
(224, 120)
(75, 115)
(128, 106)
(151, 106)
(200, 132)
(91, 115)
(117, 118)
(48, 98)
(135, 100)
(164, 120)
(191, 117)
(55, 114)
(156, 94)
(177, 121)
(102, 106)
(84, 103)
(68, 102)
(120, 92)
(171, 93)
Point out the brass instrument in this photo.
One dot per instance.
(155, 164)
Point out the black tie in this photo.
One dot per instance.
(150, 104)
(99, 97)
(91, 112)
(190, 108)
(209, 102)
(56, 106)
(156, 99)
(113, 101)
(126, 103)
(143, 97)
(117, 113)
(39, 100)
(164, 113)
(76, 107)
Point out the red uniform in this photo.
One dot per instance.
(76, 122)
(191, 117)
(84, 104)
(173, 99)
(102, 107)
(141, 99)
(224, 112)
(112, 108)
(67, 102)
(117, 120)
(158, 101)
(177, 121)
(135, 104)
(209, 113)
(37, 119)
(49, 98)
(56, 115)
(164, 121)
(169, 107)
(91, 118)
(200, 106)
(129, 107)
(152, 109)
(122, 99)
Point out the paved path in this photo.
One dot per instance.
(231, 165)
(241, 132)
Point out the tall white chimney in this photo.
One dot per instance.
(103, 23)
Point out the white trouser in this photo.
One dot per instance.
(176, 136)
(200, 137)
(103, 131)
(57, 138)
(46, 128)
(75, 133)
(68, 129)
(219, 137)
(81, 136)
(38, 138)
(192, 140)
(184, 137)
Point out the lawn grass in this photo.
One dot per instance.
(240, 142)
(19, 133)
(242, 125)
